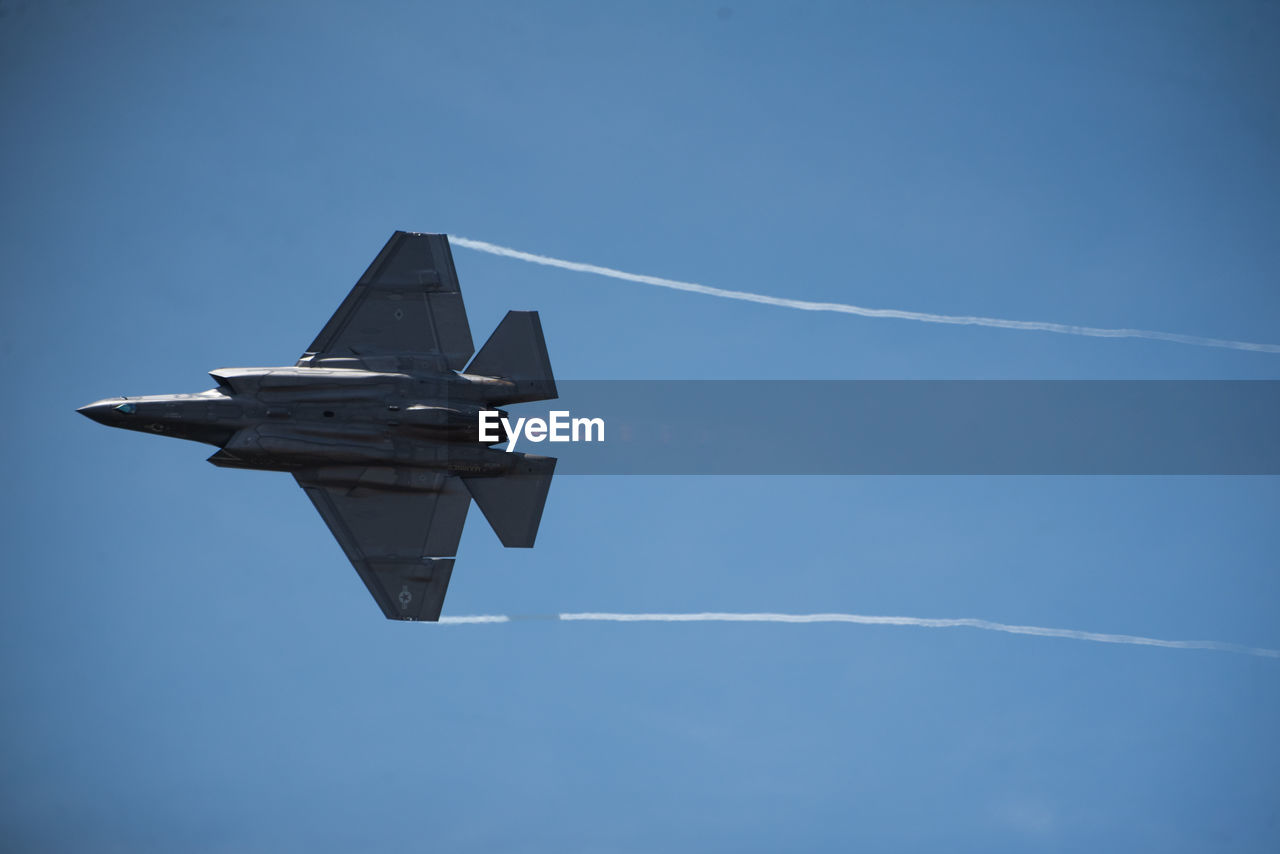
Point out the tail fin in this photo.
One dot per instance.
(513, 502)
(517, 351)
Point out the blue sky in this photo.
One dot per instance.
(191, 663)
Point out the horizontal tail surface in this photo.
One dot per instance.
(513, 502)
(517, 351)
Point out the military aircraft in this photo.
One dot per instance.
(378, 422)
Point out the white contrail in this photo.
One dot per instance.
(923, 622)
(844, 308)
(482, 618)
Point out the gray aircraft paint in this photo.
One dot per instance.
(377, 421)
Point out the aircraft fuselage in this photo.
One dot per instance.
(293, 418)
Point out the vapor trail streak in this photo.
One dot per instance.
(843, 308)
(483, 618)
(863, 619)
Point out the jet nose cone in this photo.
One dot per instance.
(101, 411)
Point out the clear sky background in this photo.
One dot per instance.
(190, 663)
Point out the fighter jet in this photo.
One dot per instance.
(378, 422)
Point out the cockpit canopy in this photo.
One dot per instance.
(127, 408)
